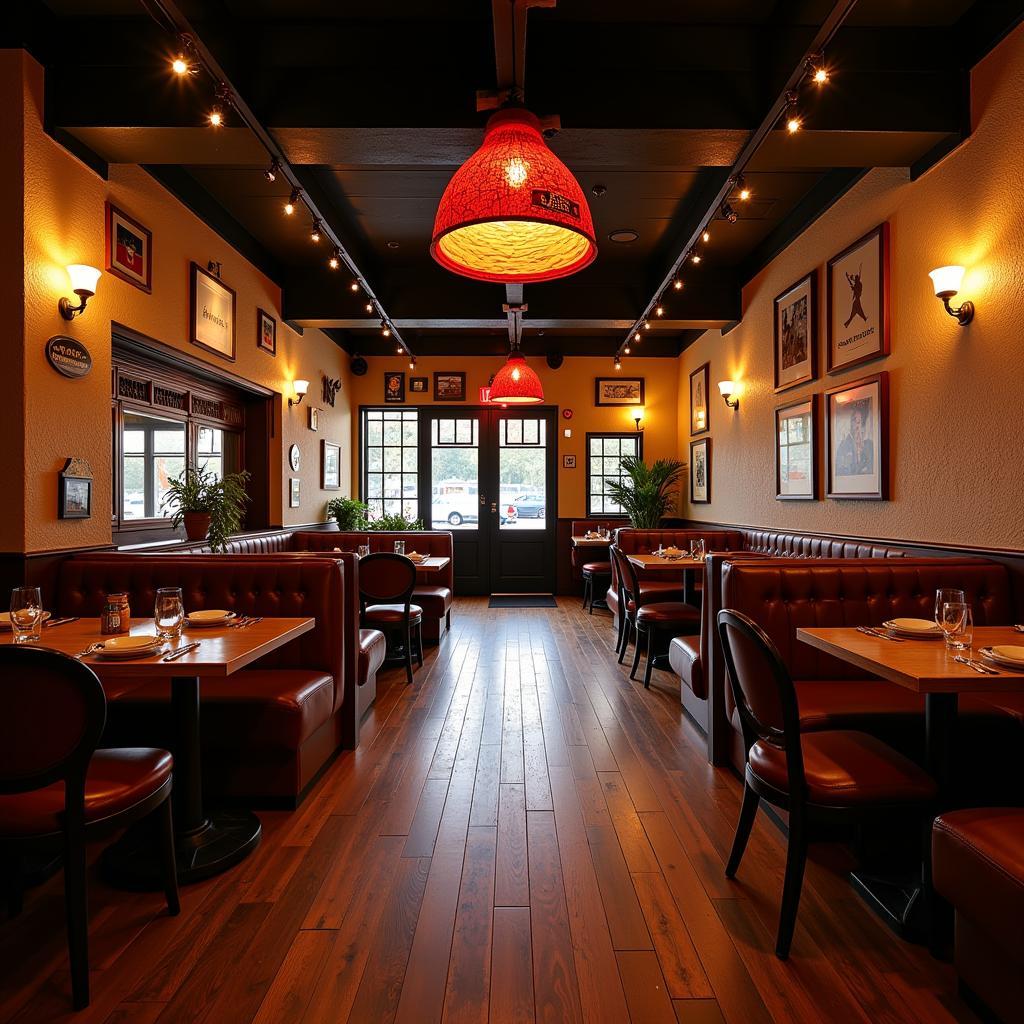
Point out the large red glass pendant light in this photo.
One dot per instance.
(513, 212)
(516, 384)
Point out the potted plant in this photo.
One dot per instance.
(647, 493)
(207, 507)
(348, 513)
(392, 522)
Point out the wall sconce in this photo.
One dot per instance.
(638, 415)
(301, 387)
(947, 281)
(83, 284)
(727, 388)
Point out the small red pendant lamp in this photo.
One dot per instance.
(513, 212)
(516, 384)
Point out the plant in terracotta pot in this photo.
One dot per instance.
(646, 493)
(207, 507)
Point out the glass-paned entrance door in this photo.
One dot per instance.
(455, 473)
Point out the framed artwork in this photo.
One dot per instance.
(857, 438)
(796, 333)
(314, 418)
(699, 420)
(293, 492)
(266, 332)
(796, 450)
(129, 249)
(619, 391)
(568, 462)
(394, 387)
(212, 306)
(449, 387)
(330, 466)
(858, 301)
(418, 385)
(74, 490)
(700, 471)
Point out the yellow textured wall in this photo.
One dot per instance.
(64, 213)
(957, 434)
(569, 387)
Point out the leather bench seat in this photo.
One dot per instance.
(978, 866)
(372, 648)
(436, 602)
(256, 707)
(684, 657)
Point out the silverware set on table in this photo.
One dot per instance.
(168, 655)
(244, 621)
(980, 667)
(881, 634)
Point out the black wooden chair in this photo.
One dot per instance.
(835, 776)
(596, 577)
(386, 583)
(57, 790)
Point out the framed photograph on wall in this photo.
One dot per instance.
(129, 249)
(449, 387)
(394, 387)
(700, 471)
(266, 332)
(619, 391)
(74, 490)
(796, 333)
(858, 301)
(293, 492)
(418, 385)
(699, 420)
(796, 450)
(568, 462)
(314, 418)
(212, 313)
(330, 466)
(857, 438)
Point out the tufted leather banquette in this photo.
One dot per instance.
(268, 729)
(782, 595)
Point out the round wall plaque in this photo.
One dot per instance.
(67, 356)
(294, 458)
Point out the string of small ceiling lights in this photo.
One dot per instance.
(817, 73)
(187, 63)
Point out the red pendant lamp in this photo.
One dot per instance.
(516, 384)
(513, 212)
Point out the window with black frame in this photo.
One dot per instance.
(605, 453)
(390, 461)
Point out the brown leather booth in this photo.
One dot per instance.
(978, 866)
(269, 729)
(782, 595)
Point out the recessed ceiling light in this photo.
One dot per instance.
(624, 235)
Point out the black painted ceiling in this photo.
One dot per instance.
(374, 105)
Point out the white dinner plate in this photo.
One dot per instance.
(1004, 654)
(209, 617)
(129, 646)
(5, 619)
(919, 629)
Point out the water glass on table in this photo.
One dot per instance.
(169, 613)
(957, 623)
(26, 614)
(697, 549)
(363, 550)
(399, 547)
(947, 596)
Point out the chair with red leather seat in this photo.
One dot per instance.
(386, 583)
(836, 776)
(57, 789)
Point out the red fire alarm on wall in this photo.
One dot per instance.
(567, 414)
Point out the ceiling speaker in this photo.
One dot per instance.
(555, 360)
(358, 366)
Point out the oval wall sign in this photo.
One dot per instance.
(67, 356)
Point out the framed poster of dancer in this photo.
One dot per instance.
(858, 302)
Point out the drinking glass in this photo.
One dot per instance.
(957, 622)
(363, 550)
(399, 547)
(26, 614)
(946, 597)
(169, 613)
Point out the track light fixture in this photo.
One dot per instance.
(618, 363)
(368, 307)
(742, 189)
(659, 310)
(354, 286)
(627, 350)
(817, 69)
(794, 122)
(638, 337)
(314, 232)
(385, 328)
(412, 362)
(222, 100)
(677, 284)
(705, 236)
(293, 201)
(272, 171)
(729, 214)
(216, 116)
(695, 258)
(335, 261)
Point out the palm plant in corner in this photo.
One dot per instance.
(646, 493)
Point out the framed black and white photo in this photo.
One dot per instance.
(699, 420)
(330, 466)
(858, 301)
(857, 438)
(796, 450)
(394, 387)
(796, 333)
(619, 391)
(568, 462)
(266, 332)
(293, 492)
(449, 387)
(129, 249)
(418, 385)
(212, 306)
(700, 471)
(74, 490)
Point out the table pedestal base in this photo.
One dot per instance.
(899, 900)
(226, 838)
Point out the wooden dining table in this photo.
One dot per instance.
(207, 842)
(660, 566)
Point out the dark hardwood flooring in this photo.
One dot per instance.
(524, 835)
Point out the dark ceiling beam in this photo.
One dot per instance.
(497, 346)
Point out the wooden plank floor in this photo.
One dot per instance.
(523, 835)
